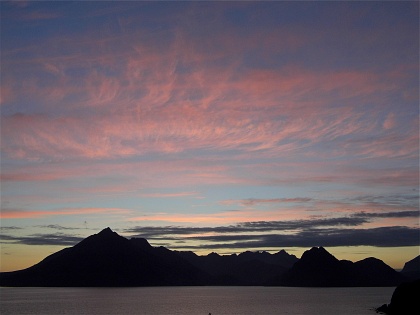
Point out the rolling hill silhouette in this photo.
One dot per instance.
(108, 259)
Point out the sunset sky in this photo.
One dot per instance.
(211, 126)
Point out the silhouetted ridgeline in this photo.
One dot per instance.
(318, 268)
(411, 269)
(108, 259)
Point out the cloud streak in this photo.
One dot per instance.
(380, 237)
(331, 232)
(250, 237)
(356, 219)
(57, 239)
(24, 214)
(395, 236)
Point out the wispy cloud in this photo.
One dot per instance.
(179, 99)
(24, 214)
(355, 219)
(59, 239)
(256, 235)
(277, 234)
(57, 227)
(256, 226)
(379, 237)
(255, 201)
(10, 228)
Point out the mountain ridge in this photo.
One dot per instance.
(108, 259)
(318, 268)
(411, 268)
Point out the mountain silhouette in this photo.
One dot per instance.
(248, 268)
(108, 259)
(411, 269)
(318, 268)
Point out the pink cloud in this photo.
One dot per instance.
(343, 172)
(181, 100)
(173, 128)
(39, 173)
(6, 94)
(19, 214)
(389, 122)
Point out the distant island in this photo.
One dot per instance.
(107, 259)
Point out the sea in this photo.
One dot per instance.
(193, 301)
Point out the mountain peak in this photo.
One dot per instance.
(108, 259)
(106, 231)
(319, 254)
(102, 239)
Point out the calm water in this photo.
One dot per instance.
(193, 300)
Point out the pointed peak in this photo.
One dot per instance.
(103, 237)
(106, 231)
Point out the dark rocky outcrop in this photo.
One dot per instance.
(404, 300)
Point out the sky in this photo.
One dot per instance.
(211, 126)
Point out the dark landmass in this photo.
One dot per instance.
(107, 259)
(411, 269)
(248, 268)
(110, 260)
(404, 300)
(318, 268)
